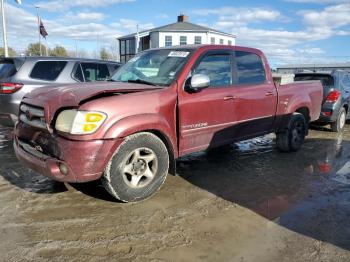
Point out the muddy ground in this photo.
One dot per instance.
(249, 203)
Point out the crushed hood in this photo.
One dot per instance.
(51, 98)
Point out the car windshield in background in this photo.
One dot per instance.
(326, 80)
(7, 69)
(158, 67)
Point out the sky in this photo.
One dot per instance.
(288, 31)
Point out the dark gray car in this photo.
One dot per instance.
(20, 75)
(336, 96)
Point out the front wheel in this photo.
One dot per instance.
(293, 137)
(338, 125)
(138, 168)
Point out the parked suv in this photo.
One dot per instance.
(20, 75)
(336, 96)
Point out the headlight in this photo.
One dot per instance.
(79, 122)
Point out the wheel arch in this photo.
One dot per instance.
(167, 142)
(305, 112)
(346, 106)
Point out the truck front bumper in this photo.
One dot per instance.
(80, 161)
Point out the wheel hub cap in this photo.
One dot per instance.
(140, 167)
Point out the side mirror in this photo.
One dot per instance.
(199, 82)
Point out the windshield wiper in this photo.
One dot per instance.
(140, 81)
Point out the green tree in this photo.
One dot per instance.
(12, 52)
(104, 54)
(59, 51)
(33, 49)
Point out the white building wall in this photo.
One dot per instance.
(223, 37)
(191, 37)
(176, 37)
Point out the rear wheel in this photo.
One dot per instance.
(293, 137)
(137, 169)
(338, 125)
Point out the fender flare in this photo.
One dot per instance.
(299, 102)
(143, 123)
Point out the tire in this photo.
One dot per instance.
(137, 169)
(338, 125)
(293, 137)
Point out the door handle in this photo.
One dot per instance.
(270, 93)
(229, 98)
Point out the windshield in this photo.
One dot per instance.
(327, 80)
(156, 67)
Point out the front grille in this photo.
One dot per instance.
(32, 116)
(35, 151)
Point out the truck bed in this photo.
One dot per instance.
(308, 94)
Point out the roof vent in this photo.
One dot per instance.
(182, 18)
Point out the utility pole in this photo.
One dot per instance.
(46, 48)
(37, 14)
(6, 51)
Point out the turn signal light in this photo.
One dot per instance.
(9, 88)
(94, 117)
(333, 96)
(89, 128)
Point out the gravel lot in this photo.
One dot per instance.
(249, 203)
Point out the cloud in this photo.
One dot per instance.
(232, 16)
(281, 46)
(73, 17)
(130, 25)
(332, 16)
(63, 5)
(318, 1)
(162, 16)
(64, 30)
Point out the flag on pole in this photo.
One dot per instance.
(19, 1)
(42, 29)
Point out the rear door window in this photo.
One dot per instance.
(78, 74)
(7, 69)
(10, 66)
(47, 70)
(346, 82)
(95, 72)
(250, 69)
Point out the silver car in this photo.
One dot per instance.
(20, 75)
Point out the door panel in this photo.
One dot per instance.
(244, 105)
(204, 118)
(205, 115)
(255, 108)
(256, 97)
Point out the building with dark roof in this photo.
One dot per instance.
(180, 33)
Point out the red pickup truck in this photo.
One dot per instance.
(161, 105)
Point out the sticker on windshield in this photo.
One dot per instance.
(178, 54)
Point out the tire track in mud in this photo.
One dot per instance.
(207, 213)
